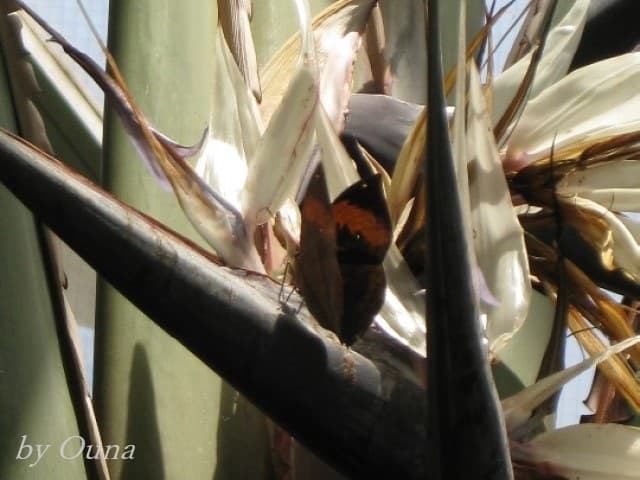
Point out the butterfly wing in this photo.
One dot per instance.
(363, 225)
(363, 236)
(317, 273)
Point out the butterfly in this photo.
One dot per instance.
(338, 269)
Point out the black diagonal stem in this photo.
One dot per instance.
(467, 438)
(329, 397)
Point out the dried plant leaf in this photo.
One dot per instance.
(376, 166)
(461, 160)
(585, 452)
(517, 408)
(560, 46)
(607, 405)
(590, 104)
(119, 98)
(24, 83)
(287, 227)
(459, 144)
(624, 249)
(521, 355)
(338, 166)
(530, 30)
(403, 313)
(406, 171)
(407, 168)
(376, 45)
(337, 32)
(592, 302)
(235, 17)
(282, 152)
(233, 132)
(504, 124)
(65, 77)
(247, 110)
(405, 35)
(616, 370)
(497, 235)
(216, 219)
(613, 184)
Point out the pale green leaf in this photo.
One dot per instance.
(337, 32)
(613, 184)
(522, 355)
(282, 152)
(560, 46)
(339, 170)
(614, 174)
(497, 235)
(152, 391)
(402, 315)
(235, 17)
(405, 42)
(405, 34)
(592, 103)
(459, 147)
(625, 248)
(233, 131)
(338, 40)
(585, 452)
(517, 408)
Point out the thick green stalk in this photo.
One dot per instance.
(35, 402)
(150, 391)
(274, 22)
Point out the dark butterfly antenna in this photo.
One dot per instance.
(293, 289)
(283, 299)
(284, 279)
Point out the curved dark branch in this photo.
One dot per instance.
(327, 396)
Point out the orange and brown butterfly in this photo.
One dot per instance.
(342, 245)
